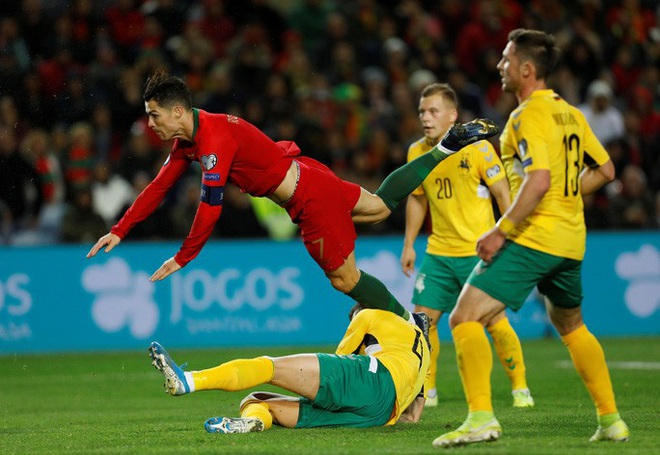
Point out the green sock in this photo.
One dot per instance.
(372, 293)
(608, 419)
(400, 183)
(480, 417)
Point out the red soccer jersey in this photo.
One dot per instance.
(228, 149)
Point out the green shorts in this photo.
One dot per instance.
(440, 280)
(355, 391)
(515, 270)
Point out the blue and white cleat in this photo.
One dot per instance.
(175, 380)
(228, 425)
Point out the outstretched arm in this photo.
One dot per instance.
(415, 214)
(109, 241)
(146, 202)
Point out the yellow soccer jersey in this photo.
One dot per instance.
(401, 348)
(460, 204)
(545, 132)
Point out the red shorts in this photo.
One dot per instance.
(321, 207)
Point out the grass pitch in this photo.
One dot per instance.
(113, 403)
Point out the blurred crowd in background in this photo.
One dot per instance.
(340, 78)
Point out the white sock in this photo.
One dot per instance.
(189, 380)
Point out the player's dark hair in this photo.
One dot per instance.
(167, 90)
(442, 89)
(538, 47)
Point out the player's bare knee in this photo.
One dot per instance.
(566, 326)
(456, 318)
(565, 320)
(342, 283)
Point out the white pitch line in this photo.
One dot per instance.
(636, 365)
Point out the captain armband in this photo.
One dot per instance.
(212, 195)
(505, 225)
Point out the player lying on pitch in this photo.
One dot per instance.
(374, 378)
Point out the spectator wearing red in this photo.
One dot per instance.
(126, 25)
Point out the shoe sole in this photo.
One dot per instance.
(523, 405)
(214, 425)
(159, 362)
(485, 436)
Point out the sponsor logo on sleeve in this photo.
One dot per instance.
(211, 177)
(493, 171)
(522, 148)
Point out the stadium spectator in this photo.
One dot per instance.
(37, 149)
(35, 25)
(80, 156)
(21, 193)
(373, 379)
(111, 193)
(632, 206)
(616, 40)
(75, 104)
(139, 154)
(32, 104)
(12, 118)
(605, 119)
(81, 223)
(126, 26)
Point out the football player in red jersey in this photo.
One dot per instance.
(231, 150)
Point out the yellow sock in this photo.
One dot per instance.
(238, 374)
(589, 360)
(430, 383)
(509, 351)
(475, 362)
(259, 411)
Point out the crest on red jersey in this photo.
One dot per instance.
(209, 161)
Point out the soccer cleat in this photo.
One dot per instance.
(423, 321)
(431, 402)
(469, 433)
(464, 134)
(522, 398)
(431, 398)
(228, 425)
(175, 381)
(355, 309)
(617, 432)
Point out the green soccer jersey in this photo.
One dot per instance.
(545, 132)
(459, 200)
